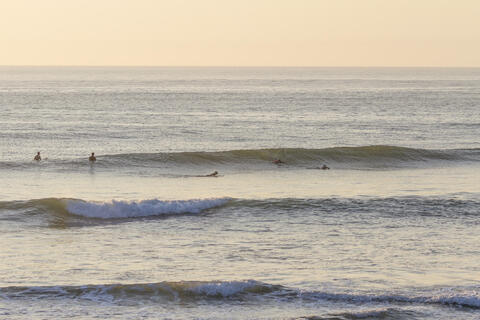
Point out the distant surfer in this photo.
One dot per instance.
(37, 157)
(92, 157)
(278, 161)
(324, 167)
(213, 174)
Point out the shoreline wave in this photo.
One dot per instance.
(122, 209)
(113, 209)
(234, 290)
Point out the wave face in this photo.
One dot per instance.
(234, 290)
(379, 156)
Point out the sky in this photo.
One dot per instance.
(444, 33)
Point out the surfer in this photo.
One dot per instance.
(213, 174)
(92, 157)
(278, 161)
(37, 157)
(324, 167)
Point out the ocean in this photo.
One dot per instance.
(390, 231)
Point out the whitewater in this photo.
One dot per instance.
(390, 231)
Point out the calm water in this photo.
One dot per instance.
(391, 231)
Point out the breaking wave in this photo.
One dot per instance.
(113, 209)
(129, 209)
(116, 209)
(234, 290)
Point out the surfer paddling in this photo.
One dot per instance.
(92, 157)
(213, 174)
(37, 157)
(324, 167)
(278, 161)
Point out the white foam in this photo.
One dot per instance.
(225, 288)
(468, 299)
(369, 314)
(129, 209)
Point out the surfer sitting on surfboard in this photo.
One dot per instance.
(92, 157)
(37, 157)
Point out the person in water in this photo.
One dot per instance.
(278, 161)
(213, 174)
(324, 167)
(37, 157)
(92, 157)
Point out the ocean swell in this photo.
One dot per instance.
(377, 156)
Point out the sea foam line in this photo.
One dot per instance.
(144, 208)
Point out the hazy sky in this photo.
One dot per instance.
(240, 32)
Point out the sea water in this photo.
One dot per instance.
(391, 231)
